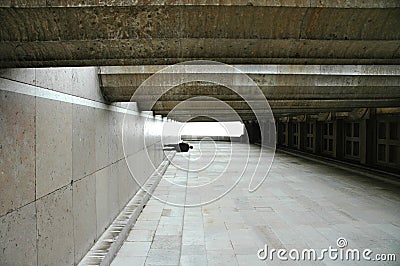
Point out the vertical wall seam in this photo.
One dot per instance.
(35, 171)
(72, 179)
(95, 198)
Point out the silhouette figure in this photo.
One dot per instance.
(180, 147)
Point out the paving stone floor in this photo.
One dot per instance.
(301, 204)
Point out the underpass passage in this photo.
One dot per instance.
(301, 205)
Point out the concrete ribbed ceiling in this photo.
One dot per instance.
(108, 32)
(289, 89)
(324, 38)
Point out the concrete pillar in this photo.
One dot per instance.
(318, 137)
(339, 139)
(281, 133)
(371, 140)
(286, 136)
(363, 141)
(289, 135)
(268, 136)
(334, 148)
(302, 131)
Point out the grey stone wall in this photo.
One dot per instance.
(63, 174)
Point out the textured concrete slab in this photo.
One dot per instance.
(17, 151)
(135, 249)
(166, 242)
(18, 237)
(319, 32)
(26, 75)
(126, 184)
(193, 260)
(83, 141)
(302, 204)
(84, 211)
(103, 199)
(102, 138)
(276, 3)
(132, 261)
(78, 81)
(53, 145)
(115, 137)
(58, 79)
(163, 257)
(55, 228)
(137, 235)
(113, 195)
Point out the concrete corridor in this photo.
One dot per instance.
(301, 205)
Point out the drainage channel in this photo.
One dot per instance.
(107, 246)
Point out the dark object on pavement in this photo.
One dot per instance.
(180, 147)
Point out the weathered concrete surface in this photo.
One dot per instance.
(290, 89)
(239, 109)
(84, 211)
(299, 32)
(55, 223)
(53, 145)
(185, 92)
(265, 3)
(18, 237)
(17, 164)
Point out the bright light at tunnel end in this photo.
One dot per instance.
(256, 162)
(222, 129)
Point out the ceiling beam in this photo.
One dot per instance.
(112, 33)
(274, 104)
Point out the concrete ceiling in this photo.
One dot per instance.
(289, 89)
(109, 32)
(307, 56)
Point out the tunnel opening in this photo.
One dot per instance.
(219, 131)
